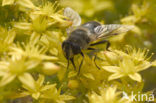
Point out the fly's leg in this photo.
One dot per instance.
(94, 57)
(72, 61)
(81, 62)
(68, 65)
(91, 48)
(97, 43)
(95, 62)
(102, 42)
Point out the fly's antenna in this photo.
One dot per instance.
(81, 62)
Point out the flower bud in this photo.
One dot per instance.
(73, 84)
(50, 68)
(111, 57)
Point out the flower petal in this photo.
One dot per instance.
(18, 95)
(89, 76)
(50, 68)
(154, 63)
(49, 57)
(115, 76)
(36, 95)
(40, 80)
(47, 87)
(143, 66)
(135, 76)
(27, 80)
(7, 79)
(22, 25)
(31, 64)
(26, 3)
(7, 2)
(112, 69)
(2, 73)
(66, 97)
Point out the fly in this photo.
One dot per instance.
(81, 36)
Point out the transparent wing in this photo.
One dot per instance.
(111, 29)
(73, 16)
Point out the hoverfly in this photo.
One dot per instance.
(82, 36)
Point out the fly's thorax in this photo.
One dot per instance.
(79, 37)
(91, 26)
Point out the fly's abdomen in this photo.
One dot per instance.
(79, 37)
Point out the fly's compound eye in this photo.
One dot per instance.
(66, 47)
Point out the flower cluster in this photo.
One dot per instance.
(127, 64)
(34, 70)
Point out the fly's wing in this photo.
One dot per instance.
(73, 16)
(104, 31)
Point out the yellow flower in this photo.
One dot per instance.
(7, 2)
(154, 63)
(137, 55)
(36, 28)
(50, 68)
(90, 76)
(73, 84)
(107, 95)
(111, 57)
(50, 10)
(17, 68)
(138, 13)
(44, 91)
(31, 51)
(6, 39)
(40, 24)
(24, 3)
(127, 67)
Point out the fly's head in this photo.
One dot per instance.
(70, 49)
